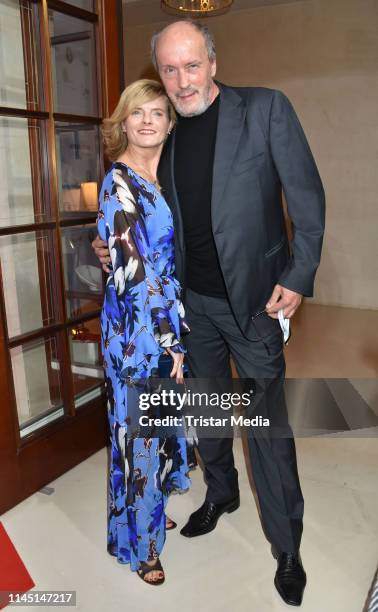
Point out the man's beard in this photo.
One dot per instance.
(202, 106)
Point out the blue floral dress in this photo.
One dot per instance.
(141, 316)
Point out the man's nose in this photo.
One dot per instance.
(183, 80)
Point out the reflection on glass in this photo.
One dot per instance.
(22, 199)
(77, 147)
(74, 65)
(37, 382)
(15, 90)
(87, 5)
(29, 292)
(86, 361)
(82, 271)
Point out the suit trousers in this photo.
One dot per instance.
(214, 337)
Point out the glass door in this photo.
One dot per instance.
(53, 70)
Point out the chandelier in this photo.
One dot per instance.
(196, 8)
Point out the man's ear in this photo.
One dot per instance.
(213, 67)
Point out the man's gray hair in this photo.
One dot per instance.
(202, 29)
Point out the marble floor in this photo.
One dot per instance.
(61, 539)
(61, 536)
(333, 342)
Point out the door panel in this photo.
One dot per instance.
(54, 64)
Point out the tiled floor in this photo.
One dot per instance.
(61, 537)
(333, 342)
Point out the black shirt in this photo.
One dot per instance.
(194, 160)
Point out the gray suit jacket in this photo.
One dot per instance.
(260, 150)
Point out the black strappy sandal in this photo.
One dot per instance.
(172, 523)
(145, 569)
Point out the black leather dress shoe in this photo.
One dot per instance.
(290, 578)
(206, 517)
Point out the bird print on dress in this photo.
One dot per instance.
(142, 314)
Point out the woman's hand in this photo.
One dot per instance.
(100, 247)
(178, 366)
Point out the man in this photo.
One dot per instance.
(223, 171)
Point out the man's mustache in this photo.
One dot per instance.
(182, 94)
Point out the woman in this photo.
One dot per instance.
(142, 319)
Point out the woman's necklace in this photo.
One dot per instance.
(154, 182)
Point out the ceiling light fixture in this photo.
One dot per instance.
(196, 8)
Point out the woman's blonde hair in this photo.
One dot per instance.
(136, 94)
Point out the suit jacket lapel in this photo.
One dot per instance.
(167, 181)
(230, 126)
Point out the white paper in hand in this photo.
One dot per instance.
(285, 325)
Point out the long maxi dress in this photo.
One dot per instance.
(142, 315)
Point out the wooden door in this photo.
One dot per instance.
(60, 73)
